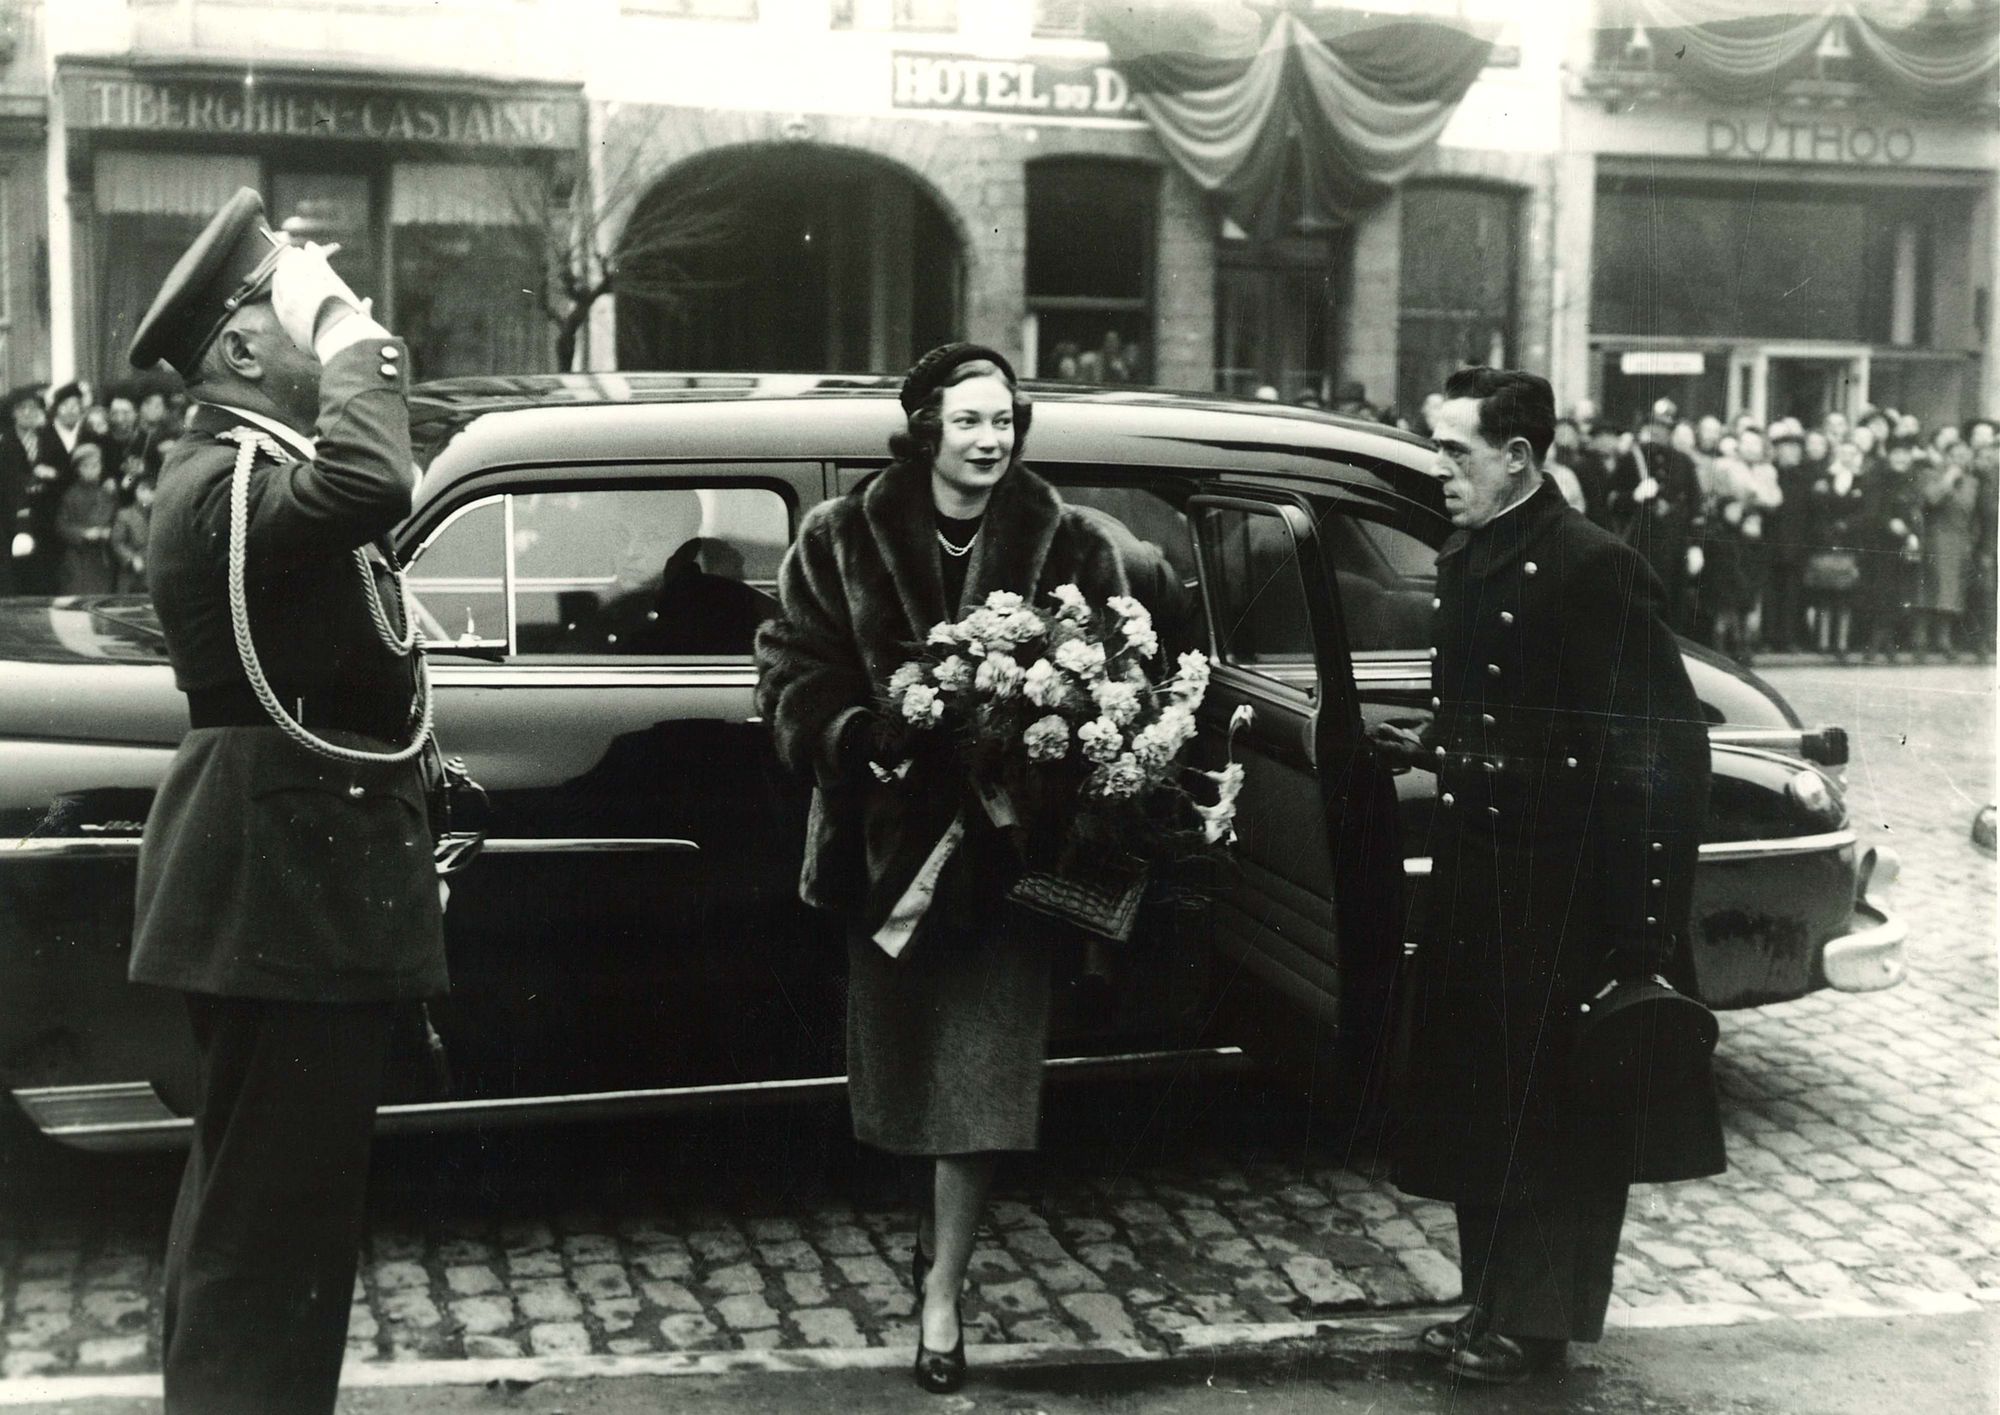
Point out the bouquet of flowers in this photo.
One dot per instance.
(1068, 737)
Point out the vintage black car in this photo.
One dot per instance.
(592, 555)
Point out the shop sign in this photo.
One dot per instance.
(1811, 140)
(1663, 363)
(1023, 87)
(125, 103)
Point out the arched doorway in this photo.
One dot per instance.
(829, 260)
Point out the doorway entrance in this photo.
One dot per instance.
(808, 260)
(1805, 382)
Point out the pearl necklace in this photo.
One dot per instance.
(957, 552)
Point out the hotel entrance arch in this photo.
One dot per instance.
(827, 259)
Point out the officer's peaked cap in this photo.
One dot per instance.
(229, 264)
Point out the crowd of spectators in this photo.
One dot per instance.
(1871, 537)
(77, 475)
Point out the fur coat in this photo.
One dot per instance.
(860, 590)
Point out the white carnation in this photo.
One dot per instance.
(1117, 701)
(1043, 685)
(921, 705)
(1085, 660)
(999, 676)
(954, 675)
(1102, 741)
(1047, 740)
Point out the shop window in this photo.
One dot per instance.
(1461, 251)
(1692, 259)
(938, 15)
(1275, 305)
(150, 208)
(1090, 269)
(1256, 596)
(468, 244)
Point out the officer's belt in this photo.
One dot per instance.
(385, 716)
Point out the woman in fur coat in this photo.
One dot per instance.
(946, 1036)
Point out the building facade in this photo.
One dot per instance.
(839, 184)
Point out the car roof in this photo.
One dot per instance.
(465, 426)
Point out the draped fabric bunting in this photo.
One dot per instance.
(1747, 50)
(1286, 115)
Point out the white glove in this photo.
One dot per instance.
(24, 544)
(305, 284)
(1646, 490)
(1695, 561)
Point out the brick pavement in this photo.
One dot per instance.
(1863, 1132)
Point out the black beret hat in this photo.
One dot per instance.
(928, 374)
(229, 264)
(27, 392)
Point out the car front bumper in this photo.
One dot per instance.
(1872, 956)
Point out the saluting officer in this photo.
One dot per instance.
(1572, 763)
(286, 883)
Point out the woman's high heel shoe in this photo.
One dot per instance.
(941, 1372)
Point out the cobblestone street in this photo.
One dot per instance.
(1864, 1134)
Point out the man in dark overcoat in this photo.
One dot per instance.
(1572, 764)
(35, 466)
(288, 895)
(1654, 502)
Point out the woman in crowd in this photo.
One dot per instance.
(948, 988)
(84, 523)
(1892, 566)
(130, 531)
(1833, 566)
(1950, 493)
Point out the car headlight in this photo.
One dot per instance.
(1817, 799)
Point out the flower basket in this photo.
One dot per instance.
(1104, 903)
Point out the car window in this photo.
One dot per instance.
(613, 571)
(1149, 529)
(457, 580)
(1386, 579)
(1255, 593)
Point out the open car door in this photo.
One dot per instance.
(1312, 912)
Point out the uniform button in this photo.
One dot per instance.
(1658, 845)
(610, 638)
(1440, 752)
(388, 370)
(1658, 883)
(1437, 702)
(1493, 670)
(1434, 652)
(1506, 616)
(1436, 603)
(652, 615)
(1487, 718)
(390, 351)
(357, 791)
(1650, 921)
(1491, 765)
(1569, 761)
(1530, 568)
(1492, 810)
(1449, 799)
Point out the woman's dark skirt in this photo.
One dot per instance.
(945, 1043)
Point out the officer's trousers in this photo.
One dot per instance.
(267, 1229)
(1543, 1269)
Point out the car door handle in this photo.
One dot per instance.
(1243, 716)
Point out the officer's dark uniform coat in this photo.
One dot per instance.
(268, 871)
(1572, 763)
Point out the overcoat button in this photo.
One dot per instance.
(1569, 761)
(1530, 568)
(1506, 617)
(1449, 799)
(357, 791)
(1493, 670)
